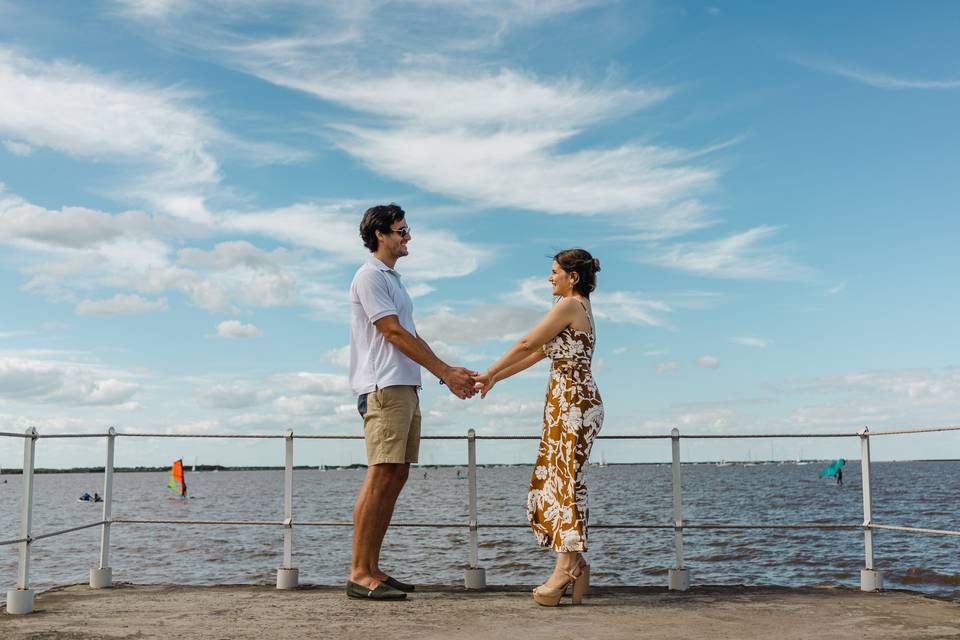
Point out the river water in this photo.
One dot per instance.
(922, 494)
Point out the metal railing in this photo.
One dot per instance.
(20, 600)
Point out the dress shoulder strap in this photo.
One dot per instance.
(593, 329)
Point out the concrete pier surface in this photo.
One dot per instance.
(258, 612)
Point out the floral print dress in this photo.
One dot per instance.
(572, 417)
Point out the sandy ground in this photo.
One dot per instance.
(238, 612)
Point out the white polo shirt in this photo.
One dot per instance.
(376, 292)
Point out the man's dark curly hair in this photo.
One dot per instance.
(379, 218)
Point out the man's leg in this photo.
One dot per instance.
(400, 479)
(371, 517)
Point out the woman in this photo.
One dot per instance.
(572, 416)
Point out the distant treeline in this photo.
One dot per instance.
(199, 467)
(302, 467)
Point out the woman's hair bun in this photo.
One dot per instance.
(580, 261)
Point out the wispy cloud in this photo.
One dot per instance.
(477, 325)
(664, 367)
(742, 256)
(119, 305)
(18, 148)
(709, 362)
(83, 113)
(76, 249)
(880, 80)
(750, 341)
(235, 329)
(332, 228)
(233, 397)
(408, 26)
(52, 382)
(507, 137)
(614, 306)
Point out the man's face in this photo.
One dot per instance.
(395, 241)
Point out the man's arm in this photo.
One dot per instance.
(460, 381)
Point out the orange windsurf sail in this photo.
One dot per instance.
(177, 482)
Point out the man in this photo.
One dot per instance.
(386, 354)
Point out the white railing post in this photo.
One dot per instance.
(20, 600)
(679, 576)
(101, 576)
(288, 576)
(473, 576)
(870, 578)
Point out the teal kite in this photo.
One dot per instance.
(832, 470)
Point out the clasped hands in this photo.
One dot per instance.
(465, 383)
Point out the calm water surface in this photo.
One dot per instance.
(915, 494)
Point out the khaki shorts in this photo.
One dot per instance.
(391, 425)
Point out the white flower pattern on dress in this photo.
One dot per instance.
(572, 417)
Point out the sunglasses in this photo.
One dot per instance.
(402, 231)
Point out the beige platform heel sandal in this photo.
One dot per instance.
(579, 583)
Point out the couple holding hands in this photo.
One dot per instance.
(386, 355)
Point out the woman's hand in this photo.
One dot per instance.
(485, 383)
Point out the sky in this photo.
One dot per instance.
(771, 190)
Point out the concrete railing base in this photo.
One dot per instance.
(288, 578)
(679, 579)
(871, 580)
(20, 601)
(101, 578)
(475, 578)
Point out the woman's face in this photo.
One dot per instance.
(561, 281)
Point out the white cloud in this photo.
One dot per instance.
(737, 256)
(74, 110)
(919, 386)
(419, 290)
(154, 8)
(153, 133)
(499, 412)
(332, 228)
(410, 27)
(307, 405)
(716, 420)
(664, 367)
(508, 138)
(45, 381)
(220, 397)
(236, 329)
(71, 227)
(881, 80)
(708, 362)
(482, 323)
(18, 148)
(837, 289)
(751, 341)
(614, 306)
(620, 350)
(119, 305)
(890, 399)
(523, 169)
(339, 356)
(311, 383)
(624, 307)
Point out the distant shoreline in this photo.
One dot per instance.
(330, 467)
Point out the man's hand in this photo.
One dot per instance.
(461, 382)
